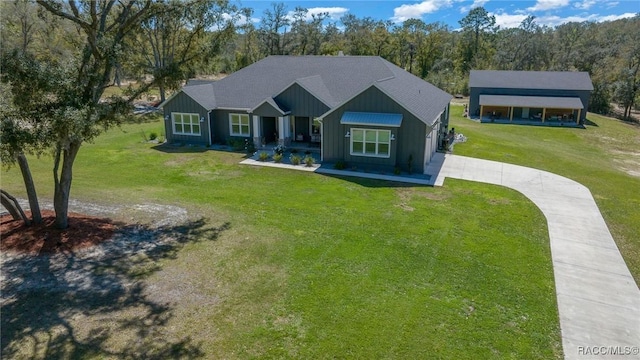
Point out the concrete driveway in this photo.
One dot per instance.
(598, 299)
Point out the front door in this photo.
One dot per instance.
(269, 129)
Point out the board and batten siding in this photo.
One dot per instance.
(300, 102)
(182, 103)
(409, 138)
(475, 92)
(266, 110)
(220, 125)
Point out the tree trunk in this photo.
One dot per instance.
(162, 91)
(63, 183)
(11, 204)
(36, 215)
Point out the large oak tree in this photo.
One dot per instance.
(66, 94)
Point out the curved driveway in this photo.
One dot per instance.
(598, 299)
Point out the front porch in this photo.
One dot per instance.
(302, 133)
(300, 147)
(530, 110)
(550, 122)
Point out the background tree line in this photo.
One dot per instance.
(59, 58)
(608, 51)
(207, 37)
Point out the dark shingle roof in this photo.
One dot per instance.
(202, 94)
(315, 86)
(331, 79)
(545, 80)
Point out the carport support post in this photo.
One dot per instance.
(544, 113)
(481, 112)
(511, 114)
(579, 113)
(257, 136)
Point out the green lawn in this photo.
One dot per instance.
(310, 266)
(605, 157)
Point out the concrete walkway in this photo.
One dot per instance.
(598, 299)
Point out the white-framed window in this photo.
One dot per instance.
(369, 142)
(186, 123)
(239, 125)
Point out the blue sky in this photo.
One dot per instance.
(508, 13)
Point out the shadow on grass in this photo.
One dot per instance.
(588, 122)
(94, 303)
(373, 183)
(176, 148)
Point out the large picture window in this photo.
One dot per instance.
(366, 142)
(239, 125)
(186, 124)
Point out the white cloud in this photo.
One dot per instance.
(476, 3)
(557, 20)
(415, 11)
(507, 21)
(240, 19)
(615, 17)
(612, 4)
(585, 4)
(335, 13)
(548, 5)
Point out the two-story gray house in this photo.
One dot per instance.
(558, 97)
(359, 109)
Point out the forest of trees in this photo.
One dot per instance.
(207, 37)
(58, 59)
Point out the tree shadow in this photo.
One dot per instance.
(94, 303)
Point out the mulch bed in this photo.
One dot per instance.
(83, 231)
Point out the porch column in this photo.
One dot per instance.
(257, 135)
(544, 113)
(281, 130)
(287, 130)
(511, 114)
(481, 112)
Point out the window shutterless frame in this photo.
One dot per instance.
(239, 125)
(186, 124)
(370, 142)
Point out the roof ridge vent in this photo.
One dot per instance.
(385, 79)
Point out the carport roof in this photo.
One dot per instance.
(547, 80)
(532, 101)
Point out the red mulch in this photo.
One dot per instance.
(83, 231)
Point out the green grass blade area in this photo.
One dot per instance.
(604, 156)
(315, 266)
